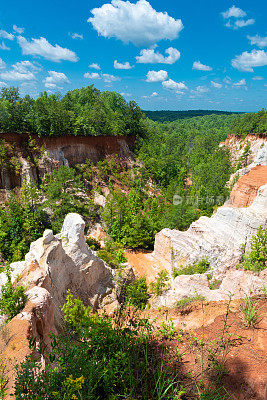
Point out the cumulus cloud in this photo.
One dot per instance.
(2, 63)
(3, 46)
(234, 17)
(41, 47)
(6, 35)
(172, 85)
(242, 82)
(258, 40)
(137, 23)
(93, 75)
(257, 78)
(76, 35)
(201, 67)
(149, 56)
(234, 12)
(125, 65)
(17, 29)
(21, 71)
(247, 61)
(2, 84)
(154, 94)
(216, 84)
(95, 66)
(55, 78)
(156, 76)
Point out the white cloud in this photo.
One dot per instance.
(242, 82)
(2, 63)
(234, 12)
(76, 35)
(258, 40)
(201, 89)
(247, 61)
(148, 56)
(201, 67)
(41, 47)
(137, 23)
(258, 78)
(156, 76)
(106, 77)
(94, 66)
(125, 65)
(17, 29)
(6, 35)
(93, 75)
(172, 85)
(216, 84)
(110, 78)
(154, 94)
(21, 71)
(54, 79)
(125, 94)
(3, 46)
(2, 84)
(234, 17)
(240, 23)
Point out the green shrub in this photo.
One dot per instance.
(12, 299)
(93, 243)
(198, 268)
(188, 300)
(96, 359)
(136, 293)
(112, 254)
(256, 259)
(160, 284)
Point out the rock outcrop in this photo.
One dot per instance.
(63, 262)
(49, 153)
(217, 239)
(235, 284)
(246, 188)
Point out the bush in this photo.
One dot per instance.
(136, 293)
(256, 259)
(200, 268)
(112, 254)
(160, 285)
(12, 299)
(93, 244)
(97, 359)
(188, 300)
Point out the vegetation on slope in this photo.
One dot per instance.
(252, 123)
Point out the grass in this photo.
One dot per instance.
(250, 311)
(197, 268)
(209, 393)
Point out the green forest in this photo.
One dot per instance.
(170, 115)
(85, 111)
(246, 124)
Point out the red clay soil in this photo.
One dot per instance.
(246, 188)
(246, 361)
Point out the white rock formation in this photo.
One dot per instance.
(236, 284)
(65, 262)
(217, 239)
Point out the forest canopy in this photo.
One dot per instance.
(255, 123)
(85, 111)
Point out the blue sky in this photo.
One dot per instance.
(164, 55)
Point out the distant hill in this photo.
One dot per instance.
(167, 115)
